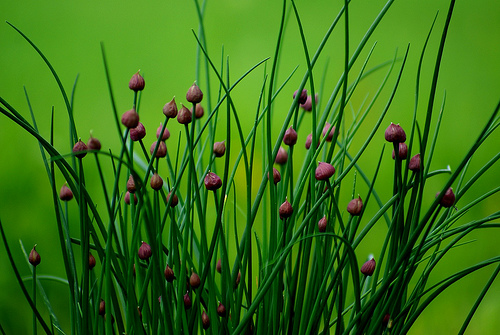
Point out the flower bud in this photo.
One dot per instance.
(221, 310)
(307, 106)
(212, 181)
(136, 83)
(65, 194)
(131, 184)
(205, 320)
(187, 301)
(194, 94)
(139, 312)
(276, 176)
(290, 137)
(169, 274)
(93, 144)
(175, 199)
(198, 112)
(137, 133)
(102, 308)
(166, 134)
(170, 109)
(130, 119)
(414, 164)
(194, 280)
(394, 133)
(329, 137)
(219, 149)
(355, 206)
(156, 182)
(162, 149)
(322, 223)
(368, 268)
(127, 198)
(80, 149)
(184, 116)
(92, 261)
(448, 198)
(144, 251)
(302, 97)
(324, 171)
(403, 151)
(281, 156)
(218, 267)
(238, 279)
(285, 210)
(34, 257)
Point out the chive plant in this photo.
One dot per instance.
(184, 244)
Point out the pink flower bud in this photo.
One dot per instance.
(144, 251)
(303, 96)
(324, 171)
(403, 151)
(170, 109)
(166, 134)
(184, 116)
(137, 133)
(414, 164)
(355, 206)
(34, 257)
(281, 156)
(368, 268)
(80, 149)
(285, 210)
(130, 119)
(212, 181)
(136, 83)
(65, 194)
(290, 137)
(448, 198)
(322, 223)
(194, 94)
(394, 133)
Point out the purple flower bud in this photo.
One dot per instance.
(368, 268)
(329, 137)
(131, 184)
(34, 257)
(285, 210)
(290, 137)
(194, 280)
(218, 267)
(281, 156)
(92, 261)
(448, 198)
(307, 106)
(93, 144)
(394, 133)
(65, 194)
(184, 116)
(219, 149)
(403, 151)
(355, 206)
(322, 223)
(276, 176)
(156, 182)
(166, 134)
(198, 112)
(414, 164)
(102, 308)
(212, 181)
(162, 149)
(194, 94)
(175, 199)
(144, 251)
(127, 198)
(80, 149)
(303, 96)
(205, 320)
(324, 171)
(187, 301)
(221, 310)
(170, 109)
(169, 274)
(136, 83)
(130, 119)
(137, 133)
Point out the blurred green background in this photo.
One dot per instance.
(156, 37)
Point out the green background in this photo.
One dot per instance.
(156, 37)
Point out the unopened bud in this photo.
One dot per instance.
(414, 164)
(322, 223)
(221, 310)
(65, 194)
(169, 274)
(162, 149)
(212, 181)
(170, 109)
(355, 206)
(448, 198)
(394, 133)
(166, 134)
(184, 116)
(92, 261)
(324, 171)
(329, 137)
(130, 119)
(281, 156)
(194, 280)
(144, 251)
(368, 268)
(137, 133)
(194, 94)
(34, 257)
(290, 137)
(276, 176)
(219, 149)
(80, 149)
(136, 83)
(302, 97)
(285, 210)
(156, 182)
(402, 151)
